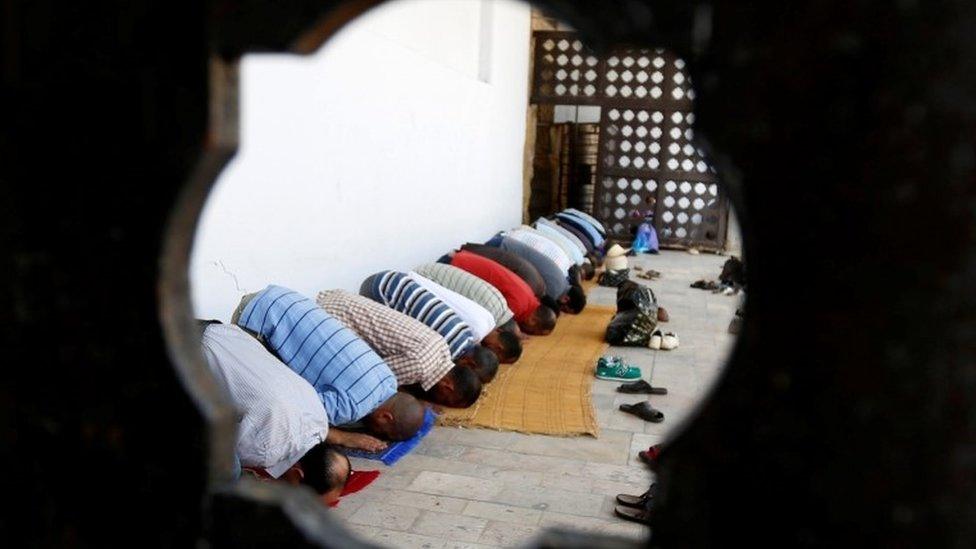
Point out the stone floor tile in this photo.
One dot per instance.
(443, 504)
(406, 540)
(502, 513)
(449, 526)
(552, 499)
(393, 517)
(504, 534)
(446, 484)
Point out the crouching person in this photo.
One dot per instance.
(353, 383)
(416, 354)
(283, 428)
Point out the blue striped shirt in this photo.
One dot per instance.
(398, 291)
(349, 377)
(582, 225)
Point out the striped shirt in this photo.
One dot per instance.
(579, 234)
(470, 286)
(350, 378)
(588, 218)
(557, 281)
(575, 250)
(414, 352)
(532, 237)
(519, 296)
(475, 316)
(282, 417)
(583, 226)
(398, 291)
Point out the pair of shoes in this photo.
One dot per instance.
(613, 369)
(641, 387)
(663, 341)
(636, 508)
(705, 285)
(640, 501)
(650, 455)
(643, 410)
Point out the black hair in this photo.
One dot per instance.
(511, 346)
(551, 304)
(545, 318)
(508, 327)
(577, 299)
(588, 271)
(467, 386)
(485, 363)
(322, 468)
(574, 275)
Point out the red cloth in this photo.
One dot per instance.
(517, 293)
(357, 481)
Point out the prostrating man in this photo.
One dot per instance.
(589, 219)
(352, 381)
(505, 345)
(531, 316)
(399, 292)
(523, 268)
(568, 298)
(564, 239)
(475, 289)
(585, 227)
(416, 354)
(283, 427)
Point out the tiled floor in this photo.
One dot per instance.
(481, 488)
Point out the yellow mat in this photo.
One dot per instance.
(548, 390)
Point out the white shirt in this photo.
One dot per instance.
(283, 417)
(479, 319)
(551, 233)
(538, 241)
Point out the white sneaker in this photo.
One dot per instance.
(656, 340)
(669, 341)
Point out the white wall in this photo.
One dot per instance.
(400, 139)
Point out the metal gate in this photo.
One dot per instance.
(649, 168)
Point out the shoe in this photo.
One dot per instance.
(617, 371)
(642, 516)
(641, 387)
(650, 455)
(643, 410)
(609, 360)
(656, 339)
(662, 315)
(637, 501)
(669, 341)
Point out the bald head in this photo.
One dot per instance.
(399, 418)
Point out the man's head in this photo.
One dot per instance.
(504, 344)
(587, 271)
(540, 322)
(573, 301)
(399, 418)
(460, 388)
(551, 304)
(326, 471)
(481, 360)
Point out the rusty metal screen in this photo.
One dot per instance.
(649, 167)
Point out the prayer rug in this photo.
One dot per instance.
(396, 450)
(548, 390)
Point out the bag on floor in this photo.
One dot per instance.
(646, 239)
(631, 295)
(631, 328)
(613, 278)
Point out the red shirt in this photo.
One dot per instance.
(517, 293)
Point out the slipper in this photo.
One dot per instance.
(656, 338)
(634, 515)
(641, 387)
(644, 411)
(669, 341)
(662, 315)
(650, 455)
(637, 501)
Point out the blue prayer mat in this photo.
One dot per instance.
(396, 450)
